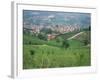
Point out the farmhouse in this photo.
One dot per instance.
(51, 36)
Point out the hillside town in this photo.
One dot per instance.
(58, 28)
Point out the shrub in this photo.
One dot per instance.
(86, 42)
(59, 39)
(65, 44)
(32, 52)
(42, 36)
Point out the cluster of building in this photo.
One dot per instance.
(66, 28)
(61, 29)
(57, 28)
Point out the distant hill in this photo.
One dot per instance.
(45, 18)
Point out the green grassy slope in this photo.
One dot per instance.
(49, 54)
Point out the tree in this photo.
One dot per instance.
(89, 28)
(65, 44)
(32, 52)
(59, 39)
(42, 36)
(86, 42)
(46, 30)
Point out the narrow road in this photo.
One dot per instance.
(75, 35)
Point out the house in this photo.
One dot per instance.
(51, 36)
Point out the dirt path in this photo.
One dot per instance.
(75, 35)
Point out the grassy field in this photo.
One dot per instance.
(50, 54)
